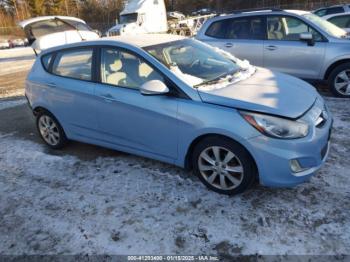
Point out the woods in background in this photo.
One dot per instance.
(101, 14)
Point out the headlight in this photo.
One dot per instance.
(277, 127)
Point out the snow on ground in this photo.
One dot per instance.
(61, 204)
(14, 66)
(16, 60)
(11, 103)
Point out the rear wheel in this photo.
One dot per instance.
(339, 80)
(223, 165)
(50, 130)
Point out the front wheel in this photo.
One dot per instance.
(339, 80)
(50, 130)
(223, 165)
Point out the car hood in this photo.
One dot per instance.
(266, 92)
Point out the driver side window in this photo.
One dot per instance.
(124, 69)
(287, 28)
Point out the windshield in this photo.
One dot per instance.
(194, 58)
(128, 18)
(326, 26)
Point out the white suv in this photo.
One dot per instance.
(294, 42)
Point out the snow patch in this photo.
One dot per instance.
(11, 103)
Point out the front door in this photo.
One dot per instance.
(285, 52)
(126, 117)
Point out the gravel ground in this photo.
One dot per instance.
(85, 199)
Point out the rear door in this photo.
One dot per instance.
(243, 37)
(71, 96)
(285, 52)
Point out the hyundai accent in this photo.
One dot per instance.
(182, 102)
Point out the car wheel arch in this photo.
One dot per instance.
(188, 158)
(332, 66)
(40, 109)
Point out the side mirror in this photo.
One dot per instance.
(307, 37)
(154, 87)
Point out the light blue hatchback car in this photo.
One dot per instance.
(183, 102)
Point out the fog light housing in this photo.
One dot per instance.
(296, 167)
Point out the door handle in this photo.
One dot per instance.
(50, 84)
(271, 47)
(108, 97)
(228, 45)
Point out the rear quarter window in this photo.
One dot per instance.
(75, 64)
(217, 29)
(46, 60)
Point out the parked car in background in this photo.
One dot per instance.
(16, 42)
(330, 10)
(4, 44)
(180, 101)
(340, 20)
(48, 31)
(203, 11)
(293, 42)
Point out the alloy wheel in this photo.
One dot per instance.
(342, 82)
(220, 168)
(49, 130)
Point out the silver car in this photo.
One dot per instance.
(294, 42)
(330, 10)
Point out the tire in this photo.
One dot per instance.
(50, 130)
(238, 174)
(339, 80)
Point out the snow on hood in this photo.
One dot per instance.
(188, 79)
(265, 91)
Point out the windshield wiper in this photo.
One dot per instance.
(217, 78)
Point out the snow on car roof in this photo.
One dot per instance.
(144, 40)
(43, 18)
(297, 12)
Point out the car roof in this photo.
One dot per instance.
(252, 12)
(141, 40)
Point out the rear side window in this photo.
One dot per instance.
(238, 28)
(334, 10)
(46, 59)
(74, 64)
(246, 28)
(217, 29)
(341, 21)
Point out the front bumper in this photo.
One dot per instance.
(273, 156)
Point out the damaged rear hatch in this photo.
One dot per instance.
(49, 31)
